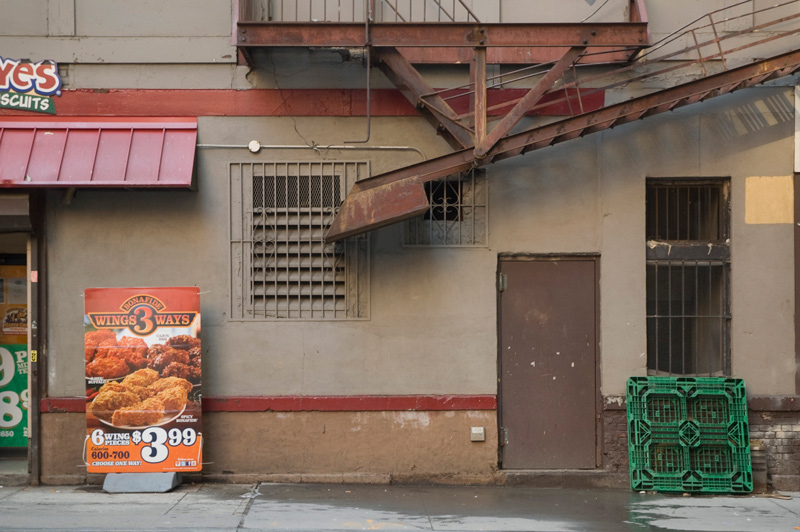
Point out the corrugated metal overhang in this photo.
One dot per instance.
(97, 152)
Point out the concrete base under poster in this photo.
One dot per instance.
(140, 482)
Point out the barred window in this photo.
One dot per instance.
(457, 215)
(688, 277)
(281, 266)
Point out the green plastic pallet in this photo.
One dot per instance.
(688, 434)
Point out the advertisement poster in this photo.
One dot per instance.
(13, 395)
(143, 393)
(13, 356)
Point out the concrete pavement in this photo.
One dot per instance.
(328, 507)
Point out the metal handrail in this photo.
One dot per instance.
(654, 61)
(281, 11)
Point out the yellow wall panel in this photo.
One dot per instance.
(769, 200)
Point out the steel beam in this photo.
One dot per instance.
(356, 217)
(479, 97)
(451, 34)
(379, 206)
(409, 81)
(530, 55)
(533, 96)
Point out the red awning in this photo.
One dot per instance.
(97, 152)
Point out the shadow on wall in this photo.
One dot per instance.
(766, 116)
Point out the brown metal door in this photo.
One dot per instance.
(547, 322)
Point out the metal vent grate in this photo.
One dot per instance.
(281, 192)
(285, 268)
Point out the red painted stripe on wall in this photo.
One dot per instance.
(275, 102)
(304, 403)
(255, 102)
(62, 404)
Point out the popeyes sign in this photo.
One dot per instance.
(28, 86)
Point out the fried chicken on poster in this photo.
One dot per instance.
(133, 350)
(148, 412)
(184, 341)
(142, 392)
(107, 368)
(178, 357)
(94, 338)
(143, 377)
(170, 382)
(162, 356)
(173, 398)
(141, 399)
(109, 358)
(184, 371)
(107, 401)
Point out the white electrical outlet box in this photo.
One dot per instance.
(477, 434)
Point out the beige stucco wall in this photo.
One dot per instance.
(428, 330)
(118, 31)
(432, 326)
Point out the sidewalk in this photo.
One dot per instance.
(298, 507)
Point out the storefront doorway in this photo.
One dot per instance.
(15, 312)
(14, 389)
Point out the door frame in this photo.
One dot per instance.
(598, 403)
(31, 221)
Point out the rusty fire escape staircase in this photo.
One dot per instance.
(719, 38)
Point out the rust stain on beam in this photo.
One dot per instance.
(370, 203)
(479, 104)
(512, 55)
(452, 34)
(527, 102)
(638, 13)
(378, 206)
(413, 86)
(443, 166)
